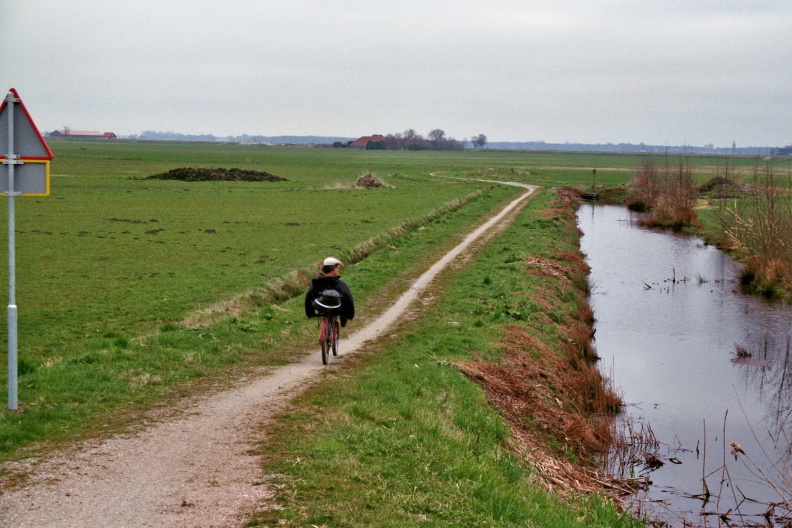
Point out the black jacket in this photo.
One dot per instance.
(320, 284)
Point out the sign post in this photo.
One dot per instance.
(22, 142)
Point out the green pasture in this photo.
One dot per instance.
(111, 263)
(111, 258)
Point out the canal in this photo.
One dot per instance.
(705, 372)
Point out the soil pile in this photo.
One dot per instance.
(720, 187)
(368, 180)
(190, 174)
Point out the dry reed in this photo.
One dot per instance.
(760, 227)
(665, 190)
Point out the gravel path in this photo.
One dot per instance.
(193, 470)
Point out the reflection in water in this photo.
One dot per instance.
(699, 365)
(772, 384)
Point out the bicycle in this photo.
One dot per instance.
(329, 333)
(328, 304)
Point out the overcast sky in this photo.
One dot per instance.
(664, 72)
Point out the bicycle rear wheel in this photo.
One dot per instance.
(324, 340)
(325, 352)
(335, 334)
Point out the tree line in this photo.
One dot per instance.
(411, 140)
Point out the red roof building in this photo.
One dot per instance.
(82, 134)
(361, 142)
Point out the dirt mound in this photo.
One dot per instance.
(190, 174)
(367, 180)
(718, 184)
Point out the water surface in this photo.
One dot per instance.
(670, 321)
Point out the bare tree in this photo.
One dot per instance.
(412, 139)
(479, 141)
(453, 144)
(395, 141)
(437, 137)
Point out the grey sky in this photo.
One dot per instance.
(666, 72)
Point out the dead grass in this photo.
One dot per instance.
(566, 202)
(553, 408)
(280, 289)
(577, 338)
(576, 259)
(544, 267)
(569, 266)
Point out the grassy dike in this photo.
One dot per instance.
(468, 413)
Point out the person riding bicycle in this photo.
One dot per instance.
(330, 280)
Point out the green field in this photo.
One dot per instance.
(111, 267)
(110, 258)
(110, 255)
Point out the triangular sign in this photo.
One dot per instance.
(28, 143)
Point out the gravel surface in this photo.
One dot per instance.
(194, 469)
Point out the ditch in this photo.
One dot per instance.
(704, 371)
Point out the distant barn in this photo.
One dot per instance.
(82, 134)
(363, 141)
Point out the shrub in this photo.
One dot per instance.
(667, 191)
(760, 226)
(375, 145)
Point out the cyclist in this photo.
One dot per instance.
(330, 280)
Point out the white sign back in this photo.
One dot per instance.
(28, 143)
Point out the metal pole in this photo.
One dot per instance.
(12, 308)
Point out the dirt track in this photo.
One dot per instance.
(193, 470)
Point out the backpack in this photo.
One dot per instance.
(328, 303)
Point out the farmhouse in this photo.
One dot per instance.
(82, 134)
(361, 142)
